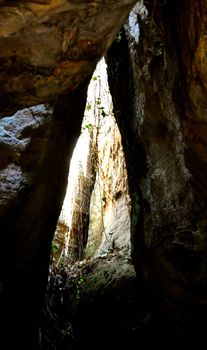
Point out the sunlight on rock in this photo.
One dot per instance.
(95, 216)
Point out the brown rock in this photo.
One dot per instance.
(49, 47)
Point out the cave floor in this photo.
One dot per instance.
(100, 304)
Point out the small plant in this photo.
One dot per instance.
(54, 248)
(88, 106)
(88, 126)
(95, 77)
(79, 284)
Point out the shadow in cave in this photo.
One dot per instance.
(94, 296)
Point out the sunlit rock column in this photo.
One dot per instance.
(95, 218)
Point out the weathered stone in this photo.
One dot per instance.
(158, 82)
(97, 199)
(49, 47)
(110, 204)
(107, 302)
(37, 145)
(165, 109)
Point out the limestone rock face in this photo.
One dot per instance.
(48, 50)
(97, 193)
(110, 202)
(109, 227)
(49, 47)
(108, 295)
(159, 87)
(21, 151)
(163, 122)
(36, 144)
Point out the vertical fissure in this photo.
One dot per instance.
(95, 217)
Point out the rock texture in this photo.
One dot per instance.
(108, 303)
(49, 47)
(163, 122)
(158, 83)
(110, 203)
(47, 50)
(37, 144)
(97, 198)
(100, 305)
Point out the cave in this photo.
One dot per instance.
(155, 52)
(95, 216)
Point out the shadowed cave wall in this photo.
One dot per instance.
(158, 85)
(48, 51)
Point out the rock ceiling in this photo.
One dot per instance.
(49, 46)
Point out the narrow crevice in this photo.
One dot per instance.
(123, 94)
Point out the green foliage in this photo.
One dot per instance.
(54, 248)
(96, 77)
(98, 104)
(88, 106)
(88, 126)
(79, 284)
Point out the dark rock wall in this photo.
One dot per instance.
(33, 182)
(159, 89)
(122, 91)
(158, 84)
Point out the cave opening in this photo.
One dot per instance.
(95, 217)
(157, 77)
(91, 248)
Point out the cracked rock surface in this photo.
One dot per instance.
(49, 46)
